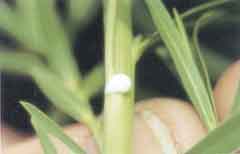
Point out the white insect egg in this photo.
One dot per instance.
(119, 83)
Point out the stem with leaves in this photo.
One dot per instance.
(119, 106)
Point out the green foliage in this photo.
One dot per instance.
(36, 25)
(198, 55)
(80, 13)
(204, 7)
(75, 105)
(223, 140)
(30, 25)
(174, 36)
(47, 57)
(9, 21)
(45, 127)
(20, 63)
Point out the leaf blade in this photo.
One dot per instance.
(203, 20)
(215, 142)
(32, 37)
(15, 62)
(9, 22)
(204, 6)
(47, 145)
(80, 13)
(56, 43)
(46, 125)
(175, 38)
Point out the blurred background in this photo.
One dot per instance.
(220, 42)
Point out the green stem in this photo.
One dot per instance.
(119, 107)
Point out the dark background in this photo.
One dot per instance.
(153, 76)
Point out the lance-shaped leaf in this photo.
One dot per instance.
(16, 62)
(223, 140)
(59, 48)
(203, 7)
(63, 98)
(28, 16)
(45, 127)
(203, 20)
(175, 38)
(80, 13)
(44, 32)
(9, 21)
(46, 143)
(52, 85)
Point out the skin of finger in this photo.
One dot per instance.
(225, 89)
(10, 136)
(180, 117)
(174, 113)
(144, 141)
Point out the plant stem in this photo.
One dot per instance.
(119, 107)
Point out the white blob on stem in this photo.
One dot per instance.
(120, 83)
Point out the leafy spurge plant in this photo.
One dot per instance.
(45, 54)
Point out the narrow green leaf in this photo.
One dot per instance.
(199, 59)
(46, 143)
(80, 13)
(16, 62)
(45, 126)
(6, 19)
(94, 80)
(203, 20)
(75, 105)
(175, 38)
(51, 25)
(223, 140)
(203, 7)
(57, 45)
(216, 62)
(32, 37)
(188, 13)
(184, 38)
(236, 104)
(36, 24)
(51, 85)
(63, 98)
(9, 21)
